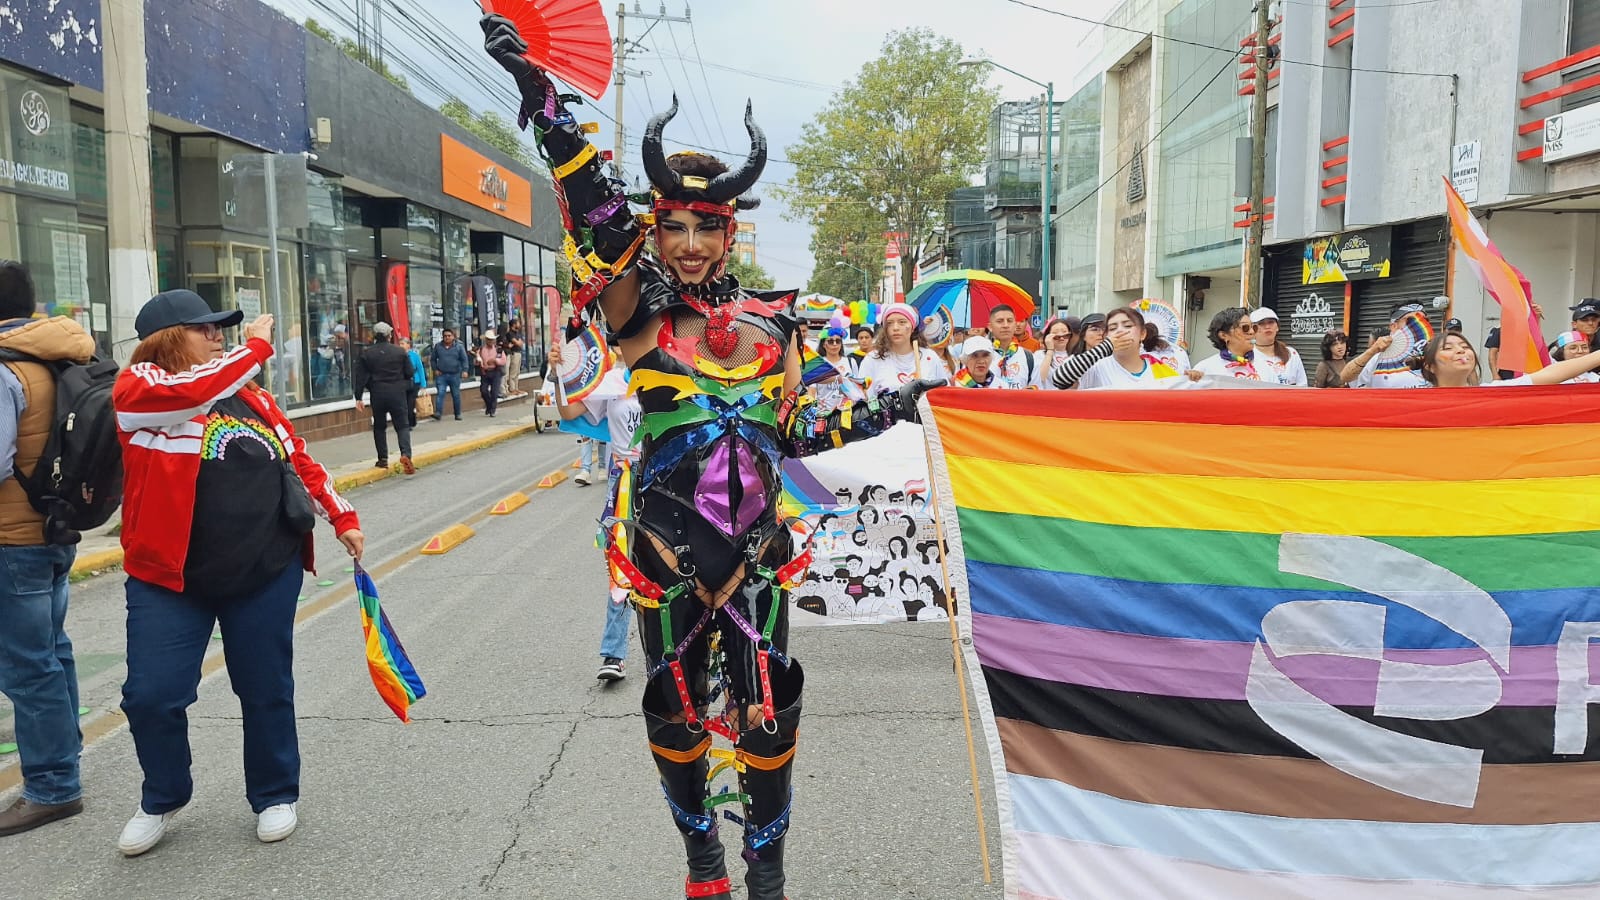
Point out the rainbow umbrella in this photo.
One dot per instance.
(397, 682)
(968, 295)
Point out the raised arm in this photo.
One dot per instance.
(1557, 372)
(603, 238)
(1067, 374)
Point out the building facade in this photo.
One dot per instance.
(1376, 105)
(383, 209)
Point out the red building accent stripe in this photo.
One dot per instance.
(1330, 182)
(1336, 162)
(1341, 18)
(1530, 153)
(1333, 201)
(1336, 143)
(1565, 62)
(1582, 84)
(1342, 36)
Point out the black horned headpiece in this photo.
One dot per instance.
(719, 196)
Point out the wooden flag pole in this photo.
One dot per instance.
(955, 651)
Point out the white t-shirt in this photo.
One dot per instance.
(1404, 378)
(1174, 356)
(620, 410)
(886, 375)
(1014, 366)
(1218, 367)
(1292, 372)
(1108, 373)
(1045, 362)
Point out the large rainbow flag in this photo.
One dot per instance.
(1230, 645)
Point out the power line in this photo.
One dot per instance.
(694, 41)
(1230, 50)
(695, 94)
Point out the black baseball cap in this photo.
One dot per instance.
(1452, 325)
(1588, 306)
(180, 307)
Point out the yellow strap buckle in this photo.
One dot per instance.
(577, 162)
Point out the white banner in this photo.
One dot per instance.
(875, 546)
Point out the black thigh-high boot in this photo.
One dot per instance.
(680, 756)
(768, 758)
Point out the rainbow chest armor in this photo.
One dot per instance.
(709, 391)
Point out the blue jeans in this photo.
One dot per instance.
(168, 634)
(596, 452)
(441, 382)
(614, 640)
(37, 671)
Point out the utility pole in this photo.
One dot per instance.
(622, 66)
(1258, 159)
(127, 114)
(622, 69)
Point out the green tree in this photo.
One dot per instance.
(496, 131)
(750, 275)
(846, 232)
(355, 52)
(893, 143)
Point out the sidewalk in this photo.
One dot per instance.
(350, 459)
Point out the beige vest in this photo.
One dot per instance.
(20, 524)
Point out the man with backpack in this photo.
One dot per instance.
(37, 671)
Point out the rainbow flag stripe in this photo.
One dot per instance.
(392, 673)
(1312, 644)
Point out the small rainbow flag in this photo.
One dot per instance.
(392, 674)
(1382, 684)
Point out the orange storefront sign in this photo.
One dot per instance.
(479, 180)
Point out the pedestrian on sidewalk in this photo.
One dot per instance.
(216, 528)
(448, 359)
(491, 369)
(419, 380)
(513, 344)
(384, 371)
(37, 671)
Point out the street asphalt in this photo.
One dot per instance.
(520, 776)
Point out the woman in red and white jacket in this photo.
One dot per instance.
(219, 501)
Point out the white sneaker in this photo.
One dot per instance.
(276, 822)
(143, 832)
(583, 478)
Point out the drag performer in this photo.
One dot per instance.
(718, 375)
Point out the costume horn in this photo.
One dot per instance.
(729, 185)
(656, 169)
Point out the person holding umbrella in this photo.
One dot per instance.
(216, 529)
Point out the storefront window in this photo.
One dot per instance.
(327, 323)
(236, 272)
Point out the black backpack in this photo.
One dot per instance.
(77, 484)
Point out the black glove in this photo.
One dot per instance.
(501, 40)
(905, 400)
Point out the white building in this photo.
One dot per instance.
(1371, 104)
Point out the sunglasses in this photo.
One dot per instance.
(1247, 327)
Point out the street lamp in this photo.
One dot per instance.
(1044, 186)
(866, 280)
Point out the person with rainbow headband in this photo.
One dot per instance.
(708, 561)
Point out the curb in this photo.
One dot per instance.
(111, 559)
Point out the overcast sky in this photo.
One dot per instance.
(789, 56)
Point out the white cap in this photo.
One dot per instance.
(383, 328)
(1263, 314)
(976, 344)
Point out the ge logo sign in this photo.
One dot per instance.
(35, 113)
